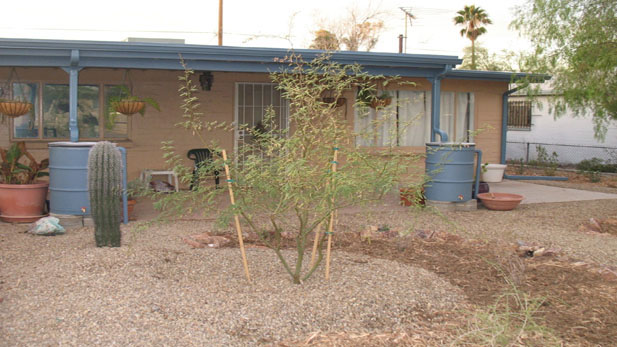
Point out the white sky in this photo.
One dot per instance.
(258, 23)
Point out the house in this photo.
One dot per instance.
(533, 123)
(69, 83)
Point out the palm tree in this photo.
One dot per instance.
(472, 18)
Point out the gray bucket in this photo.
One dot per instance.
(450, 167)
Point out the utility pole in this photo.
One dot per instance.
(221, 23)
(408, 16)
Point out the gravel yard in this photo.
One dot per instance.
(155, 290)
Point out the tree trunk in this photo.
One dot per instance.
(473, 54)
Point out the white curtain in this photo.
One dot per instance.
(464, 117)
(446, 118)
(379, 128)
(414, 117)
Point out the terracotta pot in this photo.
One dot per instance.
(129, 107)
(500, 201)
(22, 203)
(15, 108)
(381, 102)
(408, 197)
(131, 207)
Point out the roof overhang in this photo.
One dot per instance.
(500, 76)
(134, 55)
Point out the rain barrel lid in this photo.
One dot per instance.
(451, 144)
(71, 144)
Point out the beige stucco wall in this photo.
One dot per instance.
(146, 133)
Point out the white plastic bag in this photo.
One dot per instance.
(47, 226)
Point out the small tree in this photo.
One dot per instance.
(283, 180)
(576, 42)
(326, 41)
(472, 18)
(358, 30)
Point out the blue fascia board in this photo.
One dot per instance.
(47, 53)
(496, 76)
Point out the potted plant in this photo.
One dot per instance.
(22, 197)
(337, 102)
(124, 102)
(413, 195)
(15, 107)
(492, 173)
(134, 189)
(373, 99)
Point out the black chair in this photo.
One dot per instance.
(201, 156)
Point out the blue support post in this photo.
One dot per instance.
(125, 208)
(73, 71)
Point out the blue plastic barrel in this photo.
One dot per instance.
(68, 177)
(450, 167)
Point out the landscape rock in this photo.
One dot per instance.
(205, 239)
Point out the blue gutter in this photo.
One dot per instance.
(436, 104)
(504, 135)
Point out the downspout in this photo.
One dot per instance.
(73, 71)
(504, 135)
(435, 105)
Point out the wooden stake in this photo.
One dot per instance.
(238, 229)
(331, 224)
(315, 243)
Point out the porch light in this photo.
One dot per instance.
(205, 80)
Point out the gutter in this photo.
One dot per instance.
(504, 135)
(435, 105)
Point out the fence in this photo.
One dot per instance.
(566, 154)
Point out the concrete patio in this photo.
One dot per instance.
(539, 193)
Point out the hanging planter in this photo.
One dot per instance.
(128, 107)
(124, 102)
(338, 102)
(15, 108)
(369, 98)
(12, 103)
(381, 101)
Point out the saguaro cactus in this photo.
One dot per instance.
(105, 186)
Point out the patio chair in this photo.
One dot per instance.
(201, 156)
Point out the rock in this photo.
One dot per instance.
(192, 243)
(424, 234)
(594, 225)
(205, 239)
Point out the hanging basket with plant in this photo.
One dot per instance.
(10, 104)
(14, 108)
(122, 101)
(128, 104)
(369, 97)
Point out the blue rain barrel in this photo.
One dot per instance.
(450, 167)
(68, 177)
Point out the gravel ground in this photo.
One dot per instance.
(155, 290)
(546, 224)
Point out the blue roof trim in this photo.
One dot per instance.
(101, 54)
(496, 76)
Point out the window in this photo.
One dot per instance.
(251, 103)
(519, 115)
(403, 123)
(407, 121)
(49, 118)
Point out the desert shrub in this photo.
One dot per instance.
(284, 180)
(595, 165)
